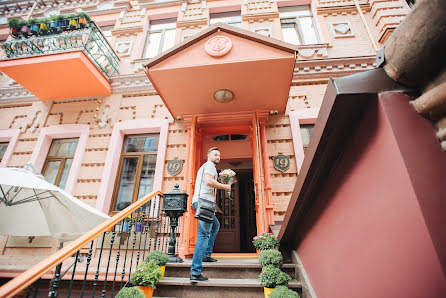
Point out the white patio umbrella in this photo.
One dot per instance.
(31, 206)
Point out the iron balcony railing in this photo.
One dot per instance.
(99, 263)
(89, 39)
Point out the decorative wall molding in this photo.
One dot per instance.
(124, 48)
(131, 83)
(325, 68)
(16, 94)
(341, 29)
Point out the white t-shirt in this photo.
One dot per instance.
(206, 192)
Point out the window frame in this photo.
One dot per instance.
(140, 156)
(163, 35)
(230, 15)
(292, 17)
(61, 158)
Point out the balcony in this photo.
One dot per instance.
(69, 64)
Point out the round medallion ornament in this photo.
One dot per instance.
(218, 46)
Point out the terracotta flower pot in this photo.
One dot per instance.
(148, 291)
(267, 291)
(163, 270)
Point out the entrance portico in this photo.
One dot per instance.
(225, 81)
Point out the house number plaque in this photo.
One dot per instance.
(174, 166)
(281, 162)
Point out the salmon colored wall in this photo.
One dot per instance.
(307, 116)
(11, 136)
(366, 235)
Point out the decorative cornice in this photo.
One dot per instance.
(325, 68)
(260, 16)
(131, 30)
(131, 83)
(16, 94)
(342, 10)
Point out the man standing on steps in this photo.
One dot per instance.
(206, 185)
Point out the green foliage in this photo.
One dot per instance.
(33, 21)
(54, 18)
(271, 257)
(146, 274)
(61, 17)
(272, 277)
(71, 16)
(13, 23)
(159, 257)
(132, 292)
(283, 292)
(84, 15)
(265, 241)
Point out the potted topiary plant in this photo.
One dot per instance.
(272, 277)
(44, 25)
(63, 23)
(283, 292)
(160, 258)
(72, 21)
(271, 257)
(146, 276)
(25, 28)
(14, 25)
(132, 292)
(54, 23)
(83, 18)
(265, 241)
(34, 26)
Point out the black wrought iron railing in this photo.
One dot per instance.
(89, 39)
(99, 263)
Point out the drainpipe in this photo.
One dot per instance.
(259, 169)
(361, 15)
(32, 10)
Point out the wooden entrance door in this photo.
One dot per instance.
(228, 238)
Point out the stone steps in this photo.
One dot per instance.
(214, 287)
(227, 278)
(225, 269)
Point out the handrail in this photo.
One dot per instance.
(21, 282)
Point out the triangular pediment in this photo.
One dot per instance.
(257, 70)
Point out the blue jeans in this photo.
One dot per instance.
(207, 232)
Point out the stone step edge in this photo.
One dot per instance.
(219, 282)
(224, 265)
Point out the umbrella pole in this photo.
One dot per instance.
(55, 281)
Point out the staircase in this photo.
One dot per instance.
(229, 277)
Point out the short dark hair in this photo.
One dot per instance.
(212, 149)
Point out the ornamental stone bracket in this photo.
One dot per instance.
(193, 13)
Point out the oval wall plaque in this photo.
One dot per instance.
(218, 46)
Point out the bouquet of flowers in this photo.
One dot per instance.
(226, 176)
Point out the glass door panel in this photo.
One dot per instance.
(126, 182)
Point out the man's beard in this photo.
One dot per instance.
(216, 162)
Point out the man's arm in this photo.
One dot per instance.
(210, 181)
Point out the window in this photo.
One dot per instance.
(3, 147)
(161, 37)
(229, 137)
(232, 18)
(305, 131)
(298, 25)
(136, 169)
(107, 31)
(58, 162)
